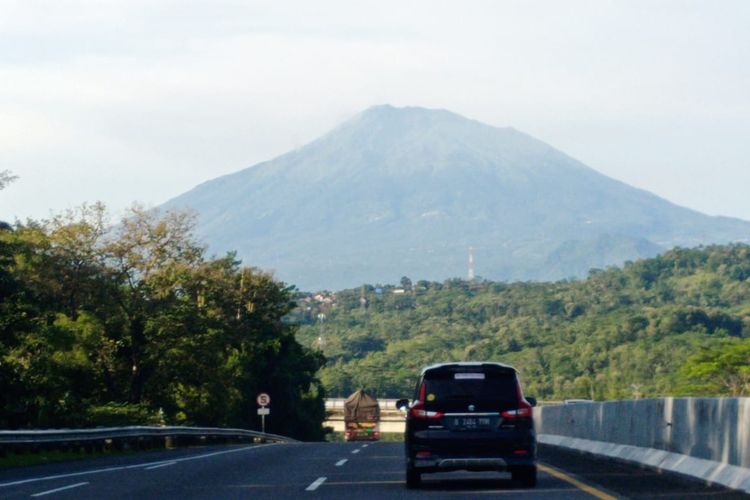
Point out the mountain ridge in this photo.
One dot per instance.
(405, 191)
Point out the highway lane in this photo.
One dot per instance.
(327, 470)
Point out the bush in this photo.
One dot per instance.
(120, 414)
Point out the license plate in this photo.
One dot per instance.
(471, 423)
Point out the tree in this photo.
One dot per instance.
(600, 337)
(150, 253)
(720, 370)
(14, 319)
(76, 254)
(102, 325)
(6, 177)
(406, 283)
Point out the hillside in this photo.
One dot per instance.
(621, 333)
(406, 191)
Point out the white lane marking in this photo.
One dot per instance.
(314, 485)
(69, 487)
(160, 465)
(341, 462)
(355, 451)
(365, 445)
(125, 467)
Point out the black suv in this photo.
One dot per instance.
(470, 416)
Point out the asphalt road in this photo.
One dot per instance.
(330, 470)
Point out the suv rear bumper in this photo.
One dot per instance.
(440, 464)
(435, 451)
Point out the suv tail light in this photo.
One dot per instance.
(417, 408)
(523, 412)
(417, 411)
(524, 408)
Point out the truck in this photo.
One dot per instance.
(361, 417)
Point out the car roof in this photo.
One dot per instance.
(466, 364)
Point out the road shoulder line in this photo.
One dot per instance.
(591, 490)
(63, 488)
(157, 466)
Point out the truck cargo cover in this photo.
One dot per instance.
(362, 407)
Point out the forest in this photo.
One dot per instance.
(131, 323)
(677, 324)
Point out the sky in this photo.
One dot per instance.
(125, 101)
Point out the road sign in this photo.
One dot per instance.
(263, 400)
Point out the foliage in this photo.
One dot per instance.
(621, 333)
(105, 325)
(118, 414)
(720, 369)
(6, 177)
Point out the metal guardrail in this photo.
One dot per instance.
(51, 436)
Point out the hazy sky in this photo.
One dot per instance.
(142, 100)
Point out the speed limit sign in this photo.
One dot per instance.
(263, 399)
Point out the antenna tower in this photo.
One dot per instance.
(470, 273)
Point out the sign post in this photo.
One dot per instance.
(263, 400)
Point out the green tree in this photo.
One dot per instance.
(722, 370)
(101, 325)
(6, 177)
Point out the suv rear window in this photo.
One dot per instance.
(455, 386)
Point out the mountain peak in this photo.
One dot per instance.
(413, 115)
(384, 110)
(417, 140)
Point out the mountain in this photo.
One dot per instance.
(406, 191)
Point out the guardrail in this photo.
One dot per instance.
(132, 436)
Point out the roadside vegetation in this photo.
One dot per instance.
(131, 323)
(677, 324)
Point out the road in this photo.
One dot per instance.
(329, 470)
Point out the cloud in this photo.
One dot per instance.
(142, 100)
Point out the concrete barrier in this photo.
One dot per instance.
(708, 438)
